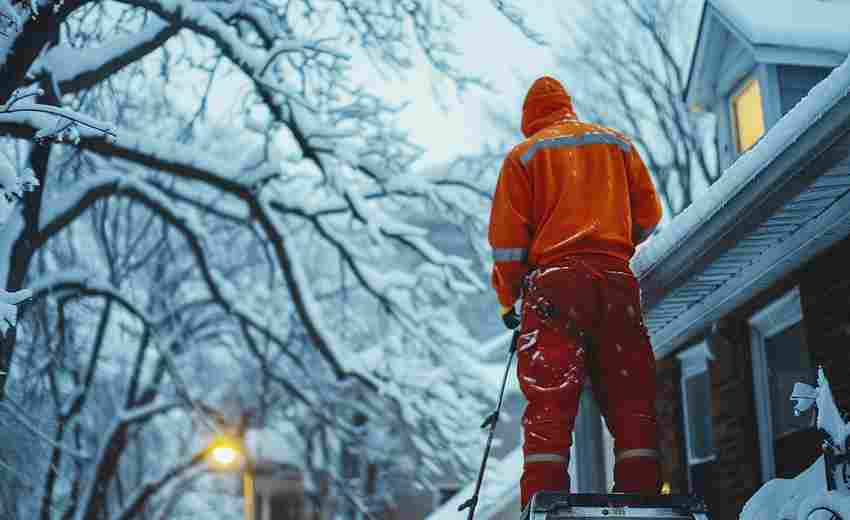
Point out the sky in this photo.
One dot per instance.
(492, 48)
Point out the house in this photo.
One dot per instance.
(744, 292)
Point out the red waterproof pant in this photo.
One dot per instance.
(599, 296)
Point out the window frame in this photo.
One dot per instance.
(752, 77)
(694, 362)
(779, 315)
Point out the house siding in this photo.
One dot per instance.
(736, 474)
(796, 81)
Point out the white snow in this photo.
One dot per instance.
(797, 498)
(11, 25)
(779, 498)
(67, 63)
(829, 418)
(744, 170)
(811, 24)
(500, 487)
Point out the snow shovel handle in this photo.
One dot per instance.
(491, 421)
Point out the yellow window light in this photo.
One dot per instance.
(748, 115)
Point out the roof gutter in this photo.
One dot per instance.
(778, 167)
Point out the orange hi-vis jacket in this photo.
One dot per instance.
(570, 188)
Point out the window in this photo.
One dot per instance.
(696, 401)
(780, 359)
(787, 363)
(748, 115)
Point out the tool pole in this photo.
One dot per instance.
(490, 421)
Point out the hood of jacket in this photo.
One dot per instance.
(546, 103)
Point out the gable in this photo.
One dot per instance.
(734, 36)
(802, 24)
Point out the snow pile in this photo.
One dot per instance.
(830, 419)
(808, 24)
(781, 497)
(744, 171)
(500, 487)
(806, 496)
(802, 498)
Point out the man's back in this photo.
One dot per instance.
(571, 203)
(579, 176)
(570, 188)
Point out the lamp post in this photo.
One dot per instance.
(226, 453)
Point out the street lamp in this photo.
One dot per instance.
(226, 453)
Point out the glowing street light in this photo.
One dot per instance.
(225, 454)
(228, 454)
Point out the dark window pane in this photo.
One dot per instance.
(788, 362)
(698, 413)
(796, 451)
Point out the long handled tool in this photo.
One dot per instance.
(490, 421)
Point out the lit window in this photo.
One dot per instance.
(748, 114)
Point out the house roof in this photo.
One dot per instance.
(778, 205)
(809, 24)
(792, 32)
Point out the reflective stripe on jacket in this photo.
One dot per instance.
(570, 187)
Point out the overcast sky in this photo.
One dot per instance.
(489, 47)
(493, 49)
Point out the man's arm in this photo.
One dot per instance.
(510, 230)
(646, 206)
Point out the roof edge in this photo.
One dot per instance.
(753, 179)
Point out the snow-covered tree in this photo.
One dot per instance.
(635, 82)
(175, 257)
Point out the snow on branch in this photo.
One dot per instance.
(51, 122)
(78, 68)
(8, 307)
(205, 21)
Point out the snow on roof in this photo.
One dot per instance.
(500, 487)
(748, 166)
(811, 24)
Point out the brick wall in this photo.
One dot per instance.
(736, 471)
(670, 433)
(825, 298)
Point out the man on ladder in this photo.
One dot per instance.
(571, 203)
